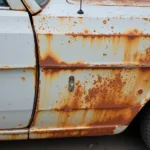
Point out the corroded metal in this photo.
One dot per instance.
(107, 51)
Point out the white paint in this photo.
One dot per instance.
(16, 5)
(60, 19)
(17, 81)
(32, 6)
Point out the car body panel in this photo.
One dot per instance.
(106, 50)
(17, 69)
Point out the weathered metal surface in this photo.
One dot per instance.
(94, 88)
(14, 134)
(102, 99)
(107, 52)
(16, 5)
(17, 69)
(113, 2)
(102, 37)
(32, 6)
(40, 133)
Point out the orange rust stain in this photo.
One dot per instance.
(130, 40)
(103, 92)
(140, 91)
(4, 117)
(104, 54)
(133, 32)
(74, 132)
(102, 119)
(23, 79)
(104, 21)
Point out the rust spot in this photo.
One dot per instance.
(19, 125)
(140, 91)
(112, 27)
(23, 79)
(69, 41)
(133, 32)
(4, 117)
(104, 54)
(98, 104)
(86, 31)
(104, 21)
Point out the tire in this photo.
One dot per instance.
(145, 126)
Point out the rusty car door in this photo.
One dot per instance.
(17, 67)
(94, 68)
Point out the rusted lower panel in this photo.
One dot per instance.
(74, 132)
(103, 99)
(14, 134)
(113, 2)
(85, 118)
(93, 50)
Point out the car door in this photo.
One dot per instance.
(94, 67)
(17, 66)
